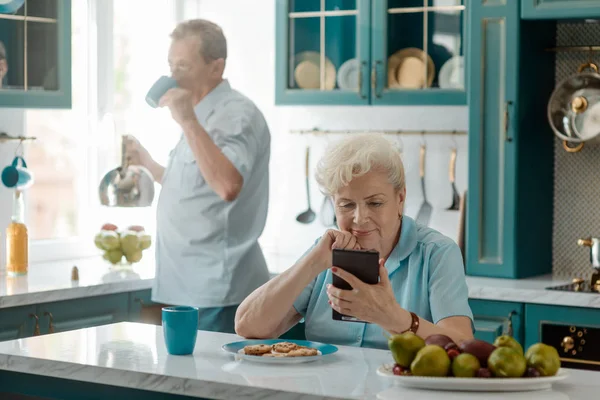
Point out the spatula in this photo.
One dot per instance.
(455, 196)
(424, 213)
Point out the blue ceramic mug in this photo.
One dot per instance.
(180, 328)
(160, 87)
(16, 175)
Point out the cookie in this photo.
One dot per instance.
(284, 347)
(257, 349)
(307, 352)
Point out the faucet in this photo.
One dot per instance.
(594, 245)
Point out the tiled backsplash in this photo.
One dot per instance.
(576, 188)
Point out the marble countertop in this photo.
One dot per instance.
(133, 355)
(52, 282)
(47, 282)
(531, 290)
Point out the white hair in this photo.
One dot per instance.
(356, 155)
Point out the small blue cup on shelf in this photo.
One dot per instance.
(180, 328)
(17, 176)
(160, 87)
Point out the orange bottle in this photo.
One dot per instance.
(17, 242)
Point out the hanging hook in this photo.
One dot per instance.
(19, 147)
(423, 138)
(453, 137)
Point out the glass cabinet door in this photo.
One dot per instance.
(35, 53)
(322, 52)
(418, 52)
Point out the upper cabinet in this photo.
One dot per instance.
(378, 52)
(35, 53)
(509, 201)
(560, 9)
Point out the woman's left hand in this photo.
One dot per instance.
(370, 303)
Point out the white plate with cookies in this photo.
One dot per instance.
(279, 351)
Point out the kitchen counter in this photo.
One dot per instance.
(52, 282)
(47, 282)
(130, 355)
(531, 290)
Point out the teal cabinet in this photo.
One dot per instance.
(560, 9)
(17, 322)
(370, 52)
(571, 330)
(424, 36)
(83, 313)
(509, 202)
(497, 318)
(35, 55)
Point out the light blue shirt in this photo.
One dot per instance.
(207, 251)
(427, 275)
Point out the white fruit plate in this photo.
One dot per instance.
(472, 384)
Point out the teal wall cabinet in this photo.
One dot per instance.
(560, 9)
(497, 318)
(37, 42)
(370, 52)
(509, 201)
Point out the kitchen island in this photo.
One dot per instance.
(129, 359)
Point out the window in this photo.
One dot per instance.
(115, 59)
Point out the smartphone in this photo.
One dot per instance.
(363, 264)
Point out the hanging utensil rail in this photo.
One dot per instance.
(387, 132)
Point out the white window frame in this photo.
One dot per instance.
(101, 83)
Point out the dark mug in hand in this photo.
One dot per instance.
(160, 87)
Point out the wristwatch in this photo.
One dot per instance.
(414, 325)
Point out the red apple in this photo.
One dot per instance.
(109, 227)
(136, 228)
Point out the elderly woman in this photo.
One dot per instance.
(421, 287)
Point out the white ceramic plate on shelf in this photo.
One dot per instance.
(307, 71)
(473, 384)
(452, 73)
(347, 75)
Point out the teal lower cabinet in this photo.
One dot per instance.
(573, 331)
(496, 318)
(17, 322)
(560, 9)
(81, 313)
(143, 309)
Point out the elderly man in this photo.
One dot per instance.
(3, 63)
(213, 203)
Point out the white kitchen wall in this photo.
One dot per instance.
(250, 30)
(12, 122)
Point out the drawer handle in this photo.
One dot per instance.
(36, 329)
(50, 324)
(138, 300)
(509, 324)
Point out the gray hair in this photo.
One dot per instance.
(356, 155)
(2, 51)
(213, 43)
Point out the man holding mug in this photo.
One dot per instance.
(213, 203)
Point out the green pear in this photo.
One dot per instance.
(98, 241)
(113, 256)
(134, 257)
(110, 240)
(130, 242)
(145, 241)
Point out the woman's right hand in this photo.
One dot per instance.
(334, 239)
